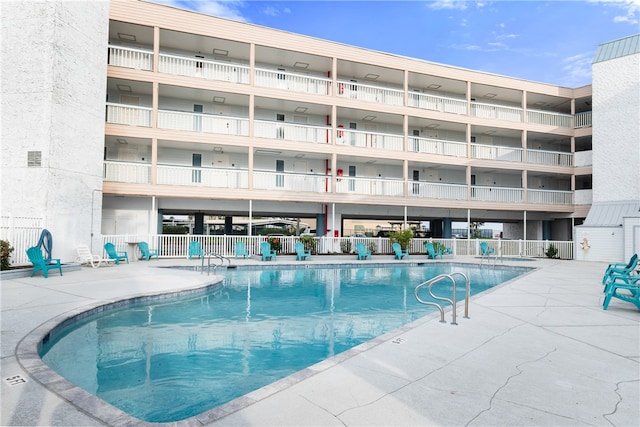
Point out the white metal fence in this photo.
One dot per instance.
(21, 233)
(177, 246)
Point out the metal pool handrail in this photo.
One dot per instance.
(429, 283)
(214, 255)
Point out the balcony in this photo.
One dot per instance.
(549, 118)
(550, 197)
(134, 173)
(287, 181)
(496, 152)
(433, 190)
(368, 139)
(437, 103)
(205, 69)
(207, 123)
(292, 132)
(370, 93)
(293, 82)
(496, 194)
(202, 177)
(131, 115)
(138, 59)
(582, 120)
(552, 158)
(437, 146)
(371, 186)
(497, 112)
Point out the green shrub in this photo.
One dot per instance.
(5, 255)
(310, 243)
(345, 246)
(403, 237)
(276, 244)
(552, 251)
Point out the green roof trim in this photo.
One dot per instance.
(618, 48)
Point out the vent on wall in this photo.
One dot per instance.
(34, 159)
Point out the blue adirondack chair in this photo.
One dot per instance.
(267, 253)
(195, 250)
(146, 252)
(362, 251)
(40, 263)
(241, 250)
(431, 251)
(399, 253)
(485, 250)
(301, 252)
(628, 283)
(620, 269)
(110, 249)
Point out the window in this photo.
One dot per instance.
(34, 159)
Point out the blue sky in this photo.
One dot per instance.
(544, 41)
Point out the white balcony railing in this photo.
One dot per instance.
(370, 93)
(287, 181)
(583, 158)
(496, 194)
(550, 197)
(496, 152)
(292, 132)
(198, 122)
(437, 146)
(202, 68)
(134, 173)
(437, 103)
(553, 158)
(583, 197)
(432, 190)
(371, 186)
(202, 177)
(139, 59)
(550, 118)
(494, 111)
(582, 120)
(356, 138)
(128, 115)
(294, 82)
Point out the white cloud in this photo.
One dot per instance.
(448, 4)
(228, 9)
(630, 8)
(576, 69)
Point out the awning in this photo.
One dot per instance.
(610, 214)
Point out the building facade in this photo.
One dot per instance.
(207, 116)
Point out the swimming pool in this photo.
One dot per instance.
(174, 358)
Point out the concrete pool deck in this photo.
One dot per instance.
(538, 350)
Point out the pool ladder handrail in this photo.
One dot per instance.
(216, 256)
(439, 278)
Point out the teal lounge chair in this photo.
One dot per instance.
(431, 251)
(241, 250)
(620, 269)
(485, 250)
(115, 255)
(40, 264)
(629, 284)
(399, 253)
(301, 253)
(362, 251)
(195, 250)
(146, 252)
(267, 253)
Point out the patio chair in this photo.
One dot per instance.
(146, 252)
(86, 257)
(362, 251)
(115, 255)
(301, 252)
(620, 269)
(195, 250)
(431, 251)
(399, 253)
(630, 284)
(241, 250)
(485, 250)
(267, 253)
(40, 264)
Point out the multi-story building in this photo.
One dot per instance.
(211, 116)
(208, 116)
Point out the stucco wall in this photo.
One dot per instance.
(616, 129)
(53, 85)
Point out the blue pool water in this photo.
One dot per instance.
(171, 359)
